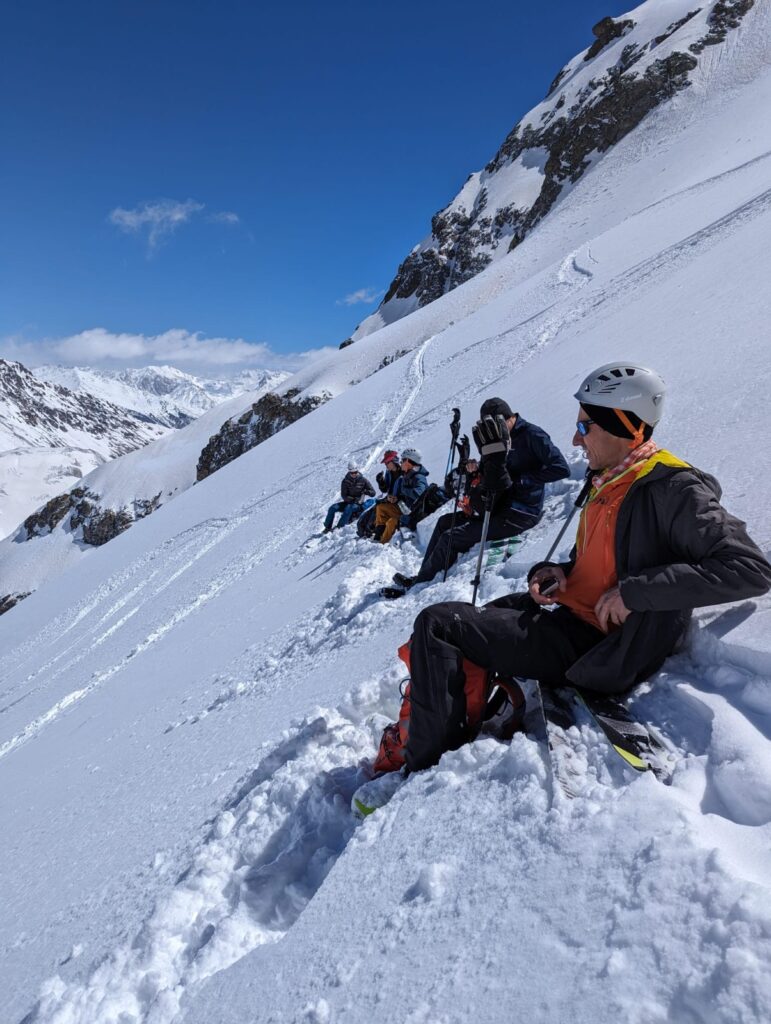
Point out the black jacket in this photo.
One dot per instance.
(353, 488)
(533, 460)
(677, 549)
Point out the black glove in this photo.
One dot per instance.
(492, 438)
(464, 450)
(381, 482)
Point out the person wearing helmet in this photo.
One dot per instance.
(394, 511)
(353, 489)
(653, 543)
(386, 481)
(513, 471)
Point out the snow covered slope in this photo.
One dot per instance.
(182, 715)
(636, 63)
(168, 395)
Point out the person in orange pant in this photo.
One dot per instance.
(394, 511)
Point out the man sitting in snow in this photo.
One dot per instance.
(653, 543)
(352, 490)
(515, 485)
(394, 511)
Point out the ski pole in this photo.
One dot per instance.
(464, 452)
(482, 541)
(454, 431)
(583, 494)
(461, 478)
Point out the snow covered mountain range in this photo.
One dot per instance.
(58, 423)
(183, 710)
(170, 396)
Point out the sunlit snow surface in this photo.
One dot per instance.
(182, 713)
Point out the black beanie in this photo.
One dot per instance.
(610, 421)
(495, 407)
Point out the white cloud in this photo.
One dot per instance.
(364, 295)
(224, 217)
(159, 217)
(187, 350)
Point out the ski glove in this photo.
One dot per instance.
(492, 438)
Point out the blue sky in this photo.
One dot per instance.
(235, 170)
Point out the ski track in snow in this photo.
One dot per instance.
(235, 570)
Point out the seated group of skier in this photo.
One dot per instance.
(653, 543)
(512, 488)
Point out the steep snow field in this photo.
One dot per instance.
(183, 712)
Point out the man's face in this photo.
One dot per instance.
(392, 466)
(406, 465)
(353, 472)
(602, 449)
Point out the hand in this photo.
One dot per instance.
(464, 449)
(491, 436)
(392, 499)
(611, 609)
(547, 572)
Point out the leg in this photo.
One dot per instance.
(329, 521)
(518, 639)
(443, 524)
(387, 517)
(346, 514)
(466, 534)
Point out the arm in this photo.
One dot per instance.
(551, 462)
(715, 559)
(368, 488)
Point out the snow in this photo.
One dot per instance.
(183, 712)
(167, 394)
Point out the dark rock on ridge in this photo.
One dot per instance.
(608, 107)
(10, 600)
(99, 524)
(266, 417)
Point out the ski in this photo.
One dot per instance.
(555, 716)
(634, 741)
(499, 551)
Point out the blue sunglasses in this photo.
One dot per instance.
(582, 426)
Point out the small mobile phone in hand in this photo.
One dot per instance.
(548, 586)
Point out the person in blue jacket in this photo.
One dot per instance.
(518, 485)
(395, 510)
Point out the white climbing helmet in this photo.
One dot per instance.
(413, 455)
(625, 386)
(353, 467)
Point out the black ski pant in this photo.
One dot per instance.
(511, 637)
(466, 534)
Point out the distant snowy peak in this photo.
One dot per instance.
(38, 413)
(636, 62)
(167, 395)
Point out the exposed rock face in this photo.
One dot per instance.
(725, 15)
(265, 418)
(98, 524)
(9, 600)
(605, 32)
(594, 101)
(623, 103)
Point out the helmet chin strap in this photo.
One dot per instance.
(637, 432)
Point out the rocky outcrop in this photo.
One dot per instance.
(622, 103)
(98, 524)
(725, 15)
(265, 418)
(593, 103)
(10, 600)
(605, 32)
